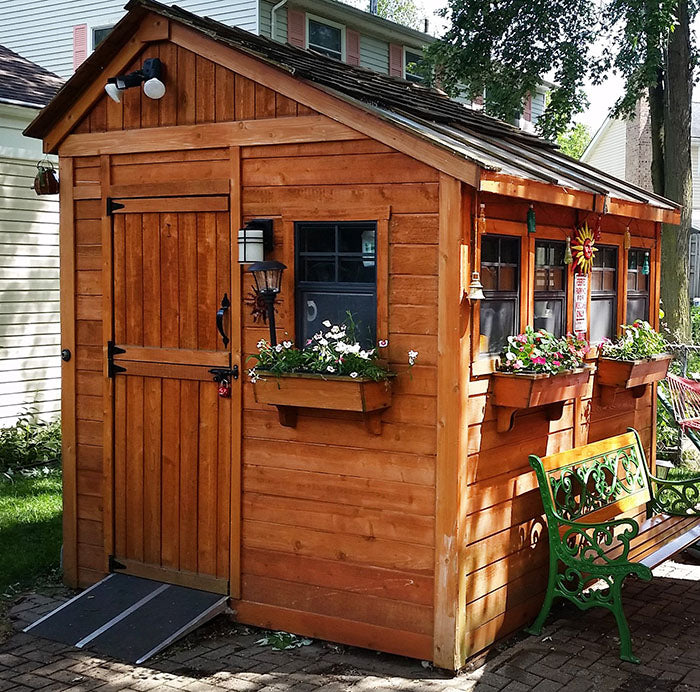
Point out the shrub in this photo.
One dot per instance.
(638, 341)
(29, 443)
(542, 352)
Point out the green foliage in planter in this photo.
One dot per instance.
(637, 342)
(330, 353)
(542, 352)
(29, 443)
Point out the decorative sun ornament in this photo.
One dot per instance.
(584, 250)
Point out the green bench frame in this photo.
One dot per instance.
(583, 491)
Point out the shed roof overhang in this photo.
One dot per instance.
(481, 151)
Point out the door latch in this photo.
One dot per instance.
(227, 374)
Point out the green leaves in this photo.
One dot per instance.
(638, 341)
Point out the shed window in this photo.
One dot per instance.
(336, 274)
(325, 38)
(637, 287)
(99, 35)
(411, 62)
(550, 287)
(604, 294)
(500, 275)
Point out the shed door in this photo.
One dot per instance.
(172, 442)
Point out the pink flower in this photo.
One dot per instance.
(556, 362)
(538, 360)
(521, 338)
(517, 364)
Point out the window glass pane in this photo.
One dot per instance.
(510, 250)
(599, 258)
(596, 280)
(642, 282)
(541, 279)
(540, 255)
(508, 279)
(637, 309)
(632, 263)
(317, 269)
(325, 39)
(497, 322)
(318, 306)
(412, 62)
(99, 35)
(355, 270)
(631, 280)
(356, 239)
(557, 280)
(558, 254)
(489, 278)
(602, 319)
(608, 280)
(489, 249)
(318, 238)
(549, 315)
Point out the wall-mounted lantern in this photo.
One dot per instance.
(149, 75)
(268, 283)
(254, 240)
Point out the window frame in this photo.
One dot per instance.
(407, 75)
(327, 22)
(560, 295)
(636, 293)
(602, 294)
(108, 23)
(512, 296)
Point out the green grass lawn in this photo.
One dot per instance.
(30, 531)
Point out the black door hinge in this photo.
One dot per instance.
(114, 564)
(221, 374)
(112, 367)
(112, 206)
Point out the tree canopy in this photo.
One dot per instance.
(574, 141)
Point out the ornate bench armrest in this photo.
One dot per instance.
(679, 497)
(588, 543)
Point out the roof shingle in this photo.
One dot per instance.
(25, 83)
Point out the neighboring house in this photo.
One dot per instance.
(60, 35)
(623, 149)
(29, 314)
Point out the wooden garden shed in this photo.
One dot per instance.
(420, 534)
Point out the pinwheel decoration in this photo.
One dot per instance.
(584, 250)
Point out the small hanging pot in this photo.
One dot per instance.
(45, 181)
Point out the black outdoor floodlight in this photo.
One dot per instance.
(149, 75)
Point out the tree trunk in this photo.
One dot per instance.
(677, 175)
(656, 113)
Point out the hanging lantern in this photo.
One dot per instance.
(45, 182)
(481, 220)
(531, 219)
(627, 243)
(476, 289)
(645, 266)
(568, 257)
(584, 250)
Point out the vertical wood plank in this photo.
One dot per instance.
(187, 270)
(245, 98)
(207, 477)
(223, 488)
(186, 87)
(264, 102)
(236, 403)
(528, 266)
(452, 393)
(382, 278)
(206, 91)
(167, 106)
(68, 404)
(169, 281)
(170, 489)
(223, 271)
(134, 468)
(119, 274)
(206, 300)
(152, 407)
(151, 294)
(107, 382)
(150, 108)
(134, 279)
(120, 467)
(189, 452)
(225, 94)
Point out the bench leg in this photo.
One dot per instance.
(622, 626)
(536, 626)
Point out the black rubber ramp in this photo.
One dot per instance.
(128, 617)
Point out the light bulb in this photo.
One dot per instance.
(154, 88)
(113, 91)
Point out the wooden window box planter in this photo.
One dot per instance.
(635, 375)
(290, 392)
(513, 391)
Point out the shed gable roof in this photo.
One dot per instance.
(497, 148)
(25, 83)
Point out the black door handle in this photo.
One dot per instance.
(225, 305)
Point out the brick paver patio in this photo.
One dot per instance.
(577, 652)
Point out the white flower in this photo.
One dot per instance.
(364, 355)
(323, 342)
(326, 323)
(335, 329)
(278, 348)
(287, 344)
(330, 368)
(383, 343)
(413, 354)
(353, 374)
(262, 343)
(328, 335)
(510, 355)
(354, 348)
(318, 335)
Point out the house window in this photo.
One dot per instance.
(500, 275)
(637, 287)
(411, 63)
(550, 287)
(604, 294)
(336, 274)
(99, 34)
(325, 37)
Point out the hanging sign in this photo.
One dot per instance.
(580, 305)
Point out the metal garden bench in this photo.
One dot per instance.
(583, 491)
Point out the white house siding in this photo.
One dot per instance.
(608, 151)
(538, 103)
(374, 54)
(43, 31)
(266, 21)
(29, 295)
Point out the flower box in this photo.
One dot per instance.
(291, 391)
(513, 391)
(616, 375)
